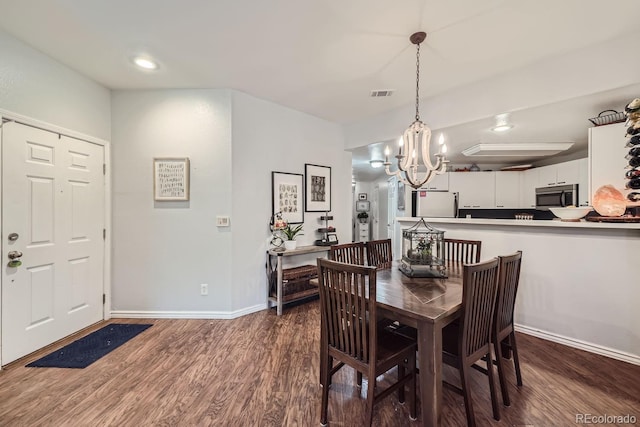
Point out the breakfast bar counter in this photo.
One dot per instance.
(528, 223)
(580, 281)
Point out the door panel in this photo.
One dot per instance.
(53, 198)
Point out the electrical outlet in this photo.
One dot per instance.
(204, 289)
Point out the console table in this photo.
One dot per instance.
(276, 275)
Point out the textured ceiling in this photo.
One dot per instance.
(319, 57)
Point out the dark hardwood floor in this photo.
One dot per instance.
(262, 370)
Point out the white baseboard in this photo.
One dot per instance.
(581, 345)
(132, 314)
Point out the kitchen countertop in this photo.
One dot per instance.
(527, 223)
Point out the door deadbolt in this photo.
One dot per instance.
(13, 237)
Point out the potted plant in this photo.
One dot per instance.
(290, 234)
(363, 217)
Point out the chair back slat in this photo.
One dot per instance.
(379, 253)
(463, 251)
(347, 304)
(508, 281)
(480, 286)
(350, 253)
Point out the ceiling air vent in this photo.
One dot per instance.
(380, 93)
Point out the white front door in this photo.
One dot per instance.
(52, 213)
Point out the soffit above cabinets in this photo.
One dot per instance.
(518, 149)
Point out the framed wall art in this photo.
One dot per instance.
(362, 206)
(170, 178)
(317, 188)
(287, 196)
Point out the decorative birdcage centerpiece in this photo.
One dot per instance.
(423, 251)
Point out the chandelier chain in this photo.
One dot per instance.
(418, 82)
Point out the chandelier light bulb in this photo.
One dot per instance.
(444, 149)
(441, 139)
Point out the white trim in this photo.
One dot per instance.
(131, 314)
(1, 222)
(106, 275)
(51, 127)
(580, 345)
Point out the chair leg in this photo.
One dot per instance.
(501, 375)
(371, 393)
(516, 359)
(466, 392)
(413, 413)
(492, 387)
(401, 373)
(325, 371)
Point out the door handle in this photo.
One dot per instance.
(14, 256)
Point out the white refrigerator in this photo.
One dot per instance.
(436, 204)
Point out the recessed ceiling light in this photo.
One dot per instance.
(376, 163)
(502, 123)
(501, 128)
(145, 63)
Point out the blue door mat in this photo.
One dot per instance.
(83, 352)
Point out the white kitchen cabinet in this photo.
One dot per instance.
(507, 189)
(529, 183)
(559, 174)
(606, 156)
(584, 197)
(476, 189)
(439, 183)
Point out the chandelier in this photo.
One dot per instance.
(415, 144)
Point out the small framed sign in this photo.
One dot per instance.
(170, 178)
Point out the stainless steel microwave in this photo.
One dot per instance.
(556, 196)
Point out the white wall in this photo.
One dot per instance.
(578, 286)
(163, 251)
(36, 86)
(268, 137)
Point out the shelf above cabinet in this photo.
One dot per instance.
(327, 230)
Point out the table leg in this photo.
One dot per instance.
(279, 286)
(430, 354)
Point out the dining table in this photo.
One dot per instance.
(428, 304)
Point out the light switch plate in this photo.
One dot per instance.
(223, 221)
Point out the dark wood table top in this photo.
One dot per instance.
(420, 298)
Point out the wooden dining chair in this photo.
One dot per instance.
(349, 335)
(504, 335)
(462, 251)
(379, 253)
(350, 253)
(469, 340)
